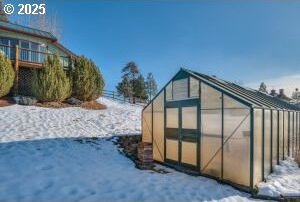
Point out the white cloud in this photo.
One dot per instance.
(288, 83)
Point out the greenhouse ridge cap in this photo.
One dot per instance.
(247, 93)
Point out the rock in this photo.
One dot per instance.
(140, 153)
(74, 101)
(25, 100)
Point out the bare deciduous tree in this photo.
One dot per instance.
(48, 22)
(3, 15)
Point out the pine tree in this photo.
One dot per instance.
(133, 83)
(51, 82)
(263, 88)
(131, 71)
(128, 84)
(151, 86)
(3, 15)
(296, 95)
(139, 87)
(125, 88)
(7, 75)
(88, 82)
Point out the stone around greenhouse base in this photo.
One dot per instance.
(145, 155)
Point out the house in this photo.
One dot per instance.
(207, 126)
(28, 48)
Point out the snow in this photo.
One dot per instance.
(284, 181)
(49, 155)
(30, 122)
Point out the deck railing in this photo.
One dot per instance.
(30, 56)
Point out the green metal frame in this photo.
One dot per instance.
(252, 100)
(263, 145)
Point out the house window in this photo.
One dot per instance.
(4, 41)
(7, 46)
(4, 49)
(24, 44)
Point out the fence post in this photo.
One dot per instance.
(16, 66)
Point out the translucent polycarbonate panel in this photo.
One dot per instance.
(210, 98)
(158, 128)
(286, 134)
(189, 117)
(189, 153)
(194, 87)
(236, 163)
(281, 130)
(267, 143)
(298, 136)
(211, 142)
(298, 133)
(172, 117)
(291, 130)
(274, 137)
(169, 93)
(294, 133)
(147, 124)
(232, 103)
(180, 89)
(257, 144)
(172, 149)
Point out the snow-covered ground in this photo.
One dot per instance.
(284, 181)
(30, 122)
(48, 155)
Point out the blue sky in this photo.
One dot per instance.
(248, 41)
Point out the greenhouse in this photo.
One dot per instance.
(207, 126)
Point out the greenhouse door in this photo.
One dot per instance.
(182, 135)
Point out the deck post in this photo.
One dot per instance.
(16, 67)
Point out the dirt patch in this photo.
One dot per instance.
(93, 105)
(6, 101)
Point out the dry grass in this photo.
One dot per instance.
(93, 105)
(53, 104)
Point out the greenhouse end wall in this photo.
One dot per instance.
(192, 122)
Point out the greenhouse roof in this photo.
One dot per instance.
(248, 95)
